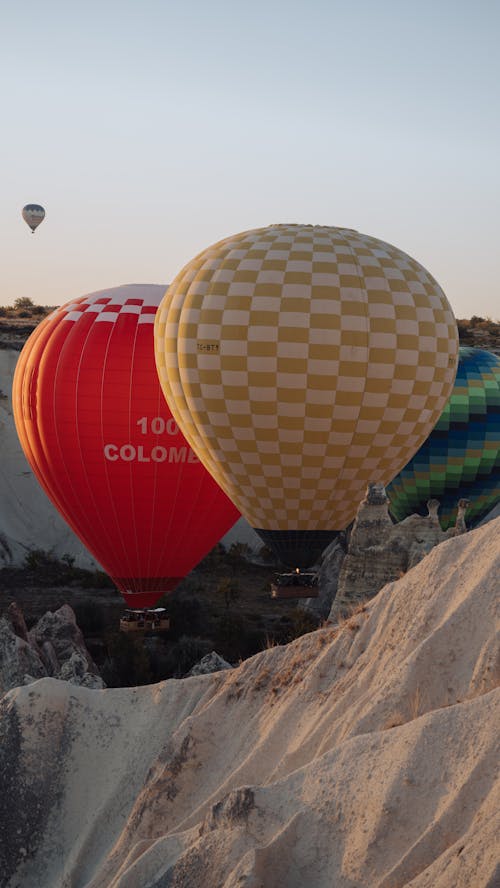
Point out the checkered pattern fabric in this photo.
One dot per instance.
(108, 305)
(302, 362)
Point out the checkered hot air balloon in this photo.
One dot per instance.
(461, 457)
(302, 362)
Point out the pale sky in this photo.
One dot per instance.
(149, 129)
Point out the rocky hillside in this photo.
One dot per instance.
(363, 754)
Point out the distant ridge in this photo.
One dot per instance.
(19, 320)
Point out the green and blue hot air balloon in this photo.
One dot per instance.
(461, 456)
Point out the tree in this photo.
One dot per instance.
(229, 588)
(23, 302)
(237, 555)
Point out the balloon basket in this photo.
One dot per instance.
(142, 621)
(295, 585)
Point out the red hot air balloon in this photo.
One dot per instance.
(98, 434)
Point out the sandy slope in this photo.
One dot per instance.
(359, 756)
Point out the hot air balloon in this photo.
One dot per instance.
(300, 363)
(461, 457)
(99, 437)
(33, 215)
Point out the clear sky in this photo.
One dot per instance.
(151, 128)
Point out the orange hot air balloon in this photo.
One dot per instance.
(98, 434)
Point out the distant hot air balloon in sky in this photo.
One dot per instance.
(101, 440)
(461, 457)
(33, 215)
(302, 362)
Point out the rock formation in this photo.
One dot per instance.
(380, 551)
(363, 755)
(54, 647)
(212, 662)
(328, 571)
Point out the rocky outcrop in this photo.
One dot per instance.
(360, 755)
(55, 648)
(212, 662)
(327, 582)
(380, 551)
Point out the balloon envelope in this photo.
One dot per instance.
(461, 457)
(302, 362)
(33, 215)
(101, 440)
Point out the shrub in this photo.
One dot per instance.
(237, 554)
(23, 302)
(37, 559)
(53, 571)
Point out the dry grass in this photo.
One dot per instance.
(347, 608)
(415, 708)
(262, 679)
(415, 703)
(394, 721)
